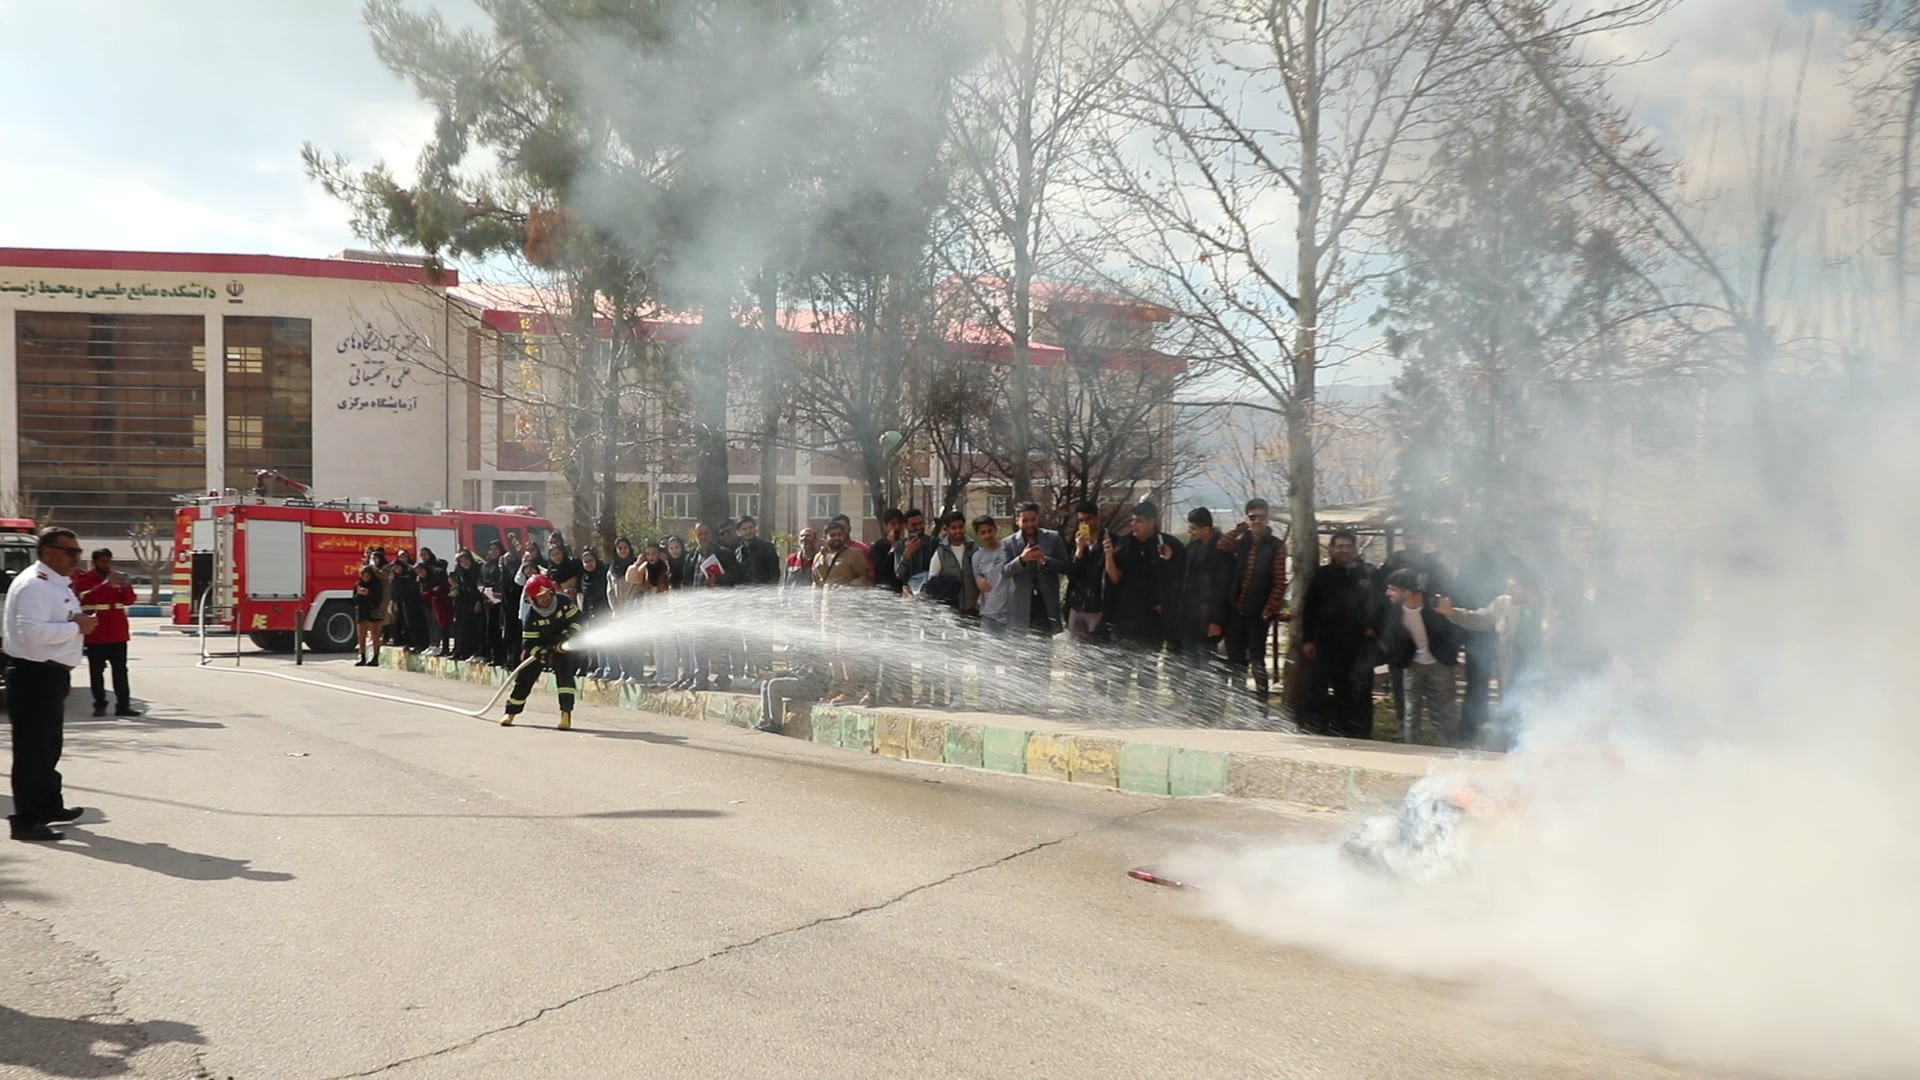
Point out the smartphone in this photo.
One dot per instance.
(1086, 533)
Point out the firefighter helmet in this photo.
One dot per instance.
(540, 590)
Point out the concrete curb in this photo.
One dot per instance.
(1294, 770)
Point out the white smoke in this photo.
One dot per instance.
(1712, 856)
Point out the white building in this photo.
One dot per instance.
(326, 370)
(362, 376)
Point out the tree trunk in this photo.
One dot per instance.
(712, 360)
(1025, 197)
(1303, 537)
(773, 390)
(619, 346)
(1903, 222)
(874, 462)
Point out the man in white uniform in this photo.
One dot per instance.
(43, 628)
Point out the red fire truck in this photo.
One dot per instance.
(19, 548)
(271, 568)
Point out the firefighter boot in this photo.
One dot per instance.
(507, 721)
(566, 721)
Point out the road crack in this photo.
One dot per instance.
(741, 946)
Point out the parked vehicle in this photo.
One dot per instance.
(18, 550)
(272, 568)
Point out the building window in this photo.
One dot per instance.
(516, 496)
(676, 505)
(246, 359)
(106, 406)
(823, 505)
(269, 398)
(745, 505)
(244, 432)
(1000, 506)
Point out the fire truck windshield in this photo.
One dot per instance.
(515, 537)
(16, 557)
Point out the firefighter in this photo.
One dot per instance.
(551, 619)
(106, 594)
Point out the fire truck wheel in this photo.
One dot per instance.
(334, 630)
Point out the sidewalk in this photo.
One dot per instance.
(1174, 761)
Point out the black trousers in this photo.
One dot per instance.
(1247, 645)
(469, 628)
(1340, 693)
(1476, 711)
(98, 658)
(507, 645)
(1141, 650)
(36, 707)
(562, 667)
(417, 632)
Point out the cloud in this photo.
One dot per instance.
(180, 125)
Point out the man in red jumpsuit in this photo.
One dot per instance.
(105, 594)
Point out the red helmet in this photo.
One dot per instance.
(539, 587)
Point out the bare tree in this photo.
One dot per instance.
(1728, 303)
(962, 391)
(1108, 418)
(1883, 73)
(21, 502)
(862, 360)
(1258, 146)
(1241, 116)
(1017, 138)
(153, 551)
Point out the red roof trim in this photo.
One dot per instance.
(172, 262)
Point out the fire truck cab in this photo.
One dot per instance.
(19, 548)
(271, 568)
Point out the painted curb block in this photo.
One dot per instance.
(1097, 760)
(927, 739)
(1004, 749)
(1192, 773)
(826, 726)
(1094, 759)
(890, 735)
(856, 730)
(1143, 768)
(1050, 756)
(964, 746)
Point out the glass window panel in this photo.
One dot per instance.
(107, 406)
(269, 391)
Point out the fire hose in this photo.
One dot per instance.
(206, 659)
(477, 714)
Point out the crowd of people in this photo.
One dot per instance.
(1180, 620)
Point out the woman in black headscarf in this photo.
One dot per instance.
(593, 605)
(623, 599)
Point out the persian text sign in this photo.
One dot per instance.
(380, 360)
(192, 290)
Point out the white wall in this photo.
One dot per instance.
(386, 422)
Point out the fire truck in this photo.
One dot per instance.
(271, 568)
(19, 548)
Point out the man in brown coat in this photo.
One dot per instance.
(840, 565)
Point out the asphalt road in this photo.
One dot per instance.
(282, 881)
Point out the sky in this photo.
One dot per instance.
(178, 125)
